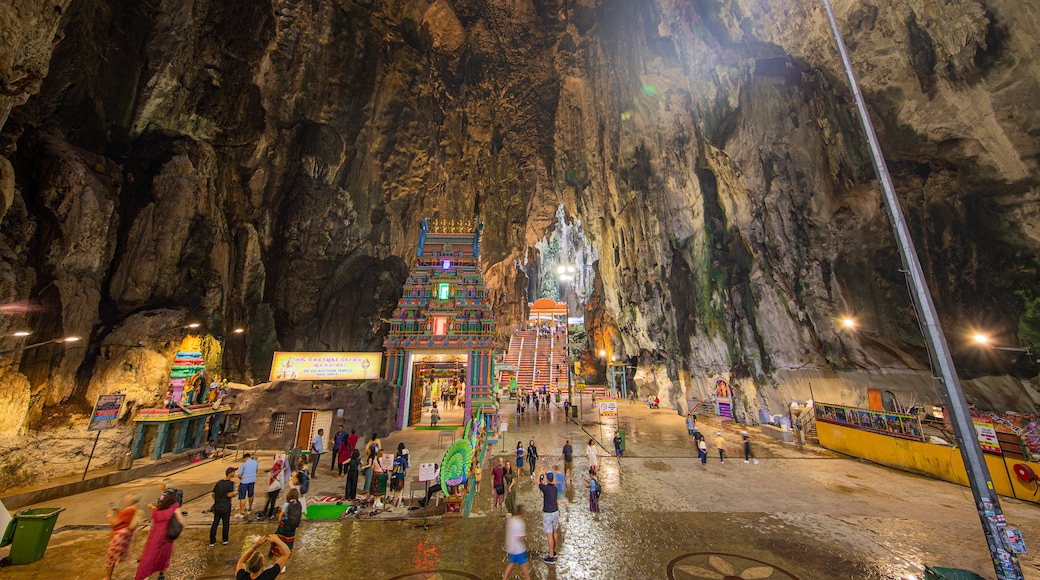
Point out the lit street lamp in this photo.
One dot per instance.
(67, 339)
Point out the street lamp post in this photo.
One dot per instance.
(1005, 563)
(67, 339)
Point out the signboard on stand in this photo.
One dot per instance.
(426, 471)
(607, 408)
(106, 412)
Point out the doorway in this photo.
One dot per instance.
(307, 427)
(441, 381)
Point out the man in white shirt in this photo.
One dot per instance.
(516, 531)
(317, 446)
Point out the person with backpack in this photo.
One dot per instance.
(397, 476)
(302, 484)
(222, 493)
(288, 521)
(592, 482)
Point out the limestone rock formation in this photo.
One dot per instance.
(264, 165)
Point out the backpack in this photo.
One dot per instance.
(177, 494)
(293, 515)
(305, 481)
(399, 468)
(594, 484)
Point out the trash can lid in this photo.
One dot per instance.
(38, 513)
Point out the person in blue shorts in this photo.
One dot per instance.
(247, 479)
(516, 531)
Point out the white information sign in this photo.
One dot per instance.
(426, 471)
(503, 427)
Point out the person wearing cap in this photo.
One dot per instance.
(222, 493)
(720, 444)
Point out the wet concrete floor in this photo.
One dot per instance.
(802, 513)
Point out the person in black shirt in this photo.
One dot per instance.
(532, 456)
(254, 566)
(550, 512)
(222, 493)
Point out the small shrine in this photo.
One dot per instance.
(192, 410)
(442, 334)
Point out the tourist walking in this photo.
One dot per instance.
(510, 480)
(353, 469)
(591, 456)
(254, 566)
(720, 445)
(537, 404)
(516, 531)
(520, 456)
(246, 481)
(434, 417)
(702, 452)
(618, 451)
(498, 484)
(550, 513)
(691, 426)
(748, 455)
(568, 460)
(159, 547)
(124, 522)
(532, 456)
(222, 493)
(317, 446)
(337, 441)
(592, 482)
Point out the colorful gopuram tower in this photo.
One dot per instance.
(443, 318)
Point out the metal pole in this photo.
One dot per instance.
(987, 503)
(91, 455)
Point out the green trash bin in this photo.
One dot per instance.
(937, 573)
(574, 411)
(28, 534)
(622, 434)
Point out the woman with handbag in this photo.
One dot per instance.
(167, 524)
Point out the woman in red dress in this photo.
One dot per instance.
(158, 548)
(123, 523)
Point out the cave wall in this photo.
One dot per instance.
(369, 407)
(264, 165)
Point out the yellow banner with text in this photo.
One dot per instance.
(325, 366)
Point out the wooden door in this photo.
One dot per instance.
(416, 404)
(303, 430)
